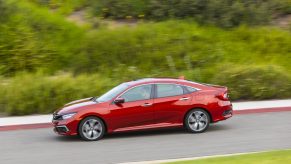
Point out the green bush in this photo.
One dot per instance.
(35, 93)
(120, 9)
(154, 47)
(28, 93)
(255, 82)
(225, 13)
(39, 93)
(33, 38)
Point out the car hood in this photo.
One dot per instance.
(77, 105)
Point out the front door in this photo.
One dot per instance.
(136, 111)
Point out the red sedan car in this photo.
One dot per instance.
(145, 104)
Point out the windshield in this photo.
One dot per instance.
(112, 93)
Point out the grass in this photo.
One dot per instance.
(272, 157)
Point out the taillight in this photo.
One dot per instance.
(222, 96)
(225, 95)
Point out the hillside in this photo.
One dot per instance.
(45, 55)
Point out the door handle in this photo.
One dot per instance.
(184, 98)
(146, 104)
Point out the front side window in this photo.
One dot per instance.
(112, 93)
(166, 90)
(142, 92)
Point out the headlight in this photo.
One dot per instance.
(66, 116)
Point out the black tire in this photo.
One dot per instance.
(84, 132)
(190, 125)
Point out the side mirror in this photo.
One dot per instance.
(119, 100)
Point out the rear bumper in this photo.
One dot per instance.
(227, 113)
(224, 111)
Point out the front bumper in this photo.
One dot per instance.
(65, 127)
(61, 129)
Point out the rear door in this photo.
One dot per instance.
(170, 103)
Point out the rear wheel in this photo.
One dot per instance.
(197, 121)
(91, 129)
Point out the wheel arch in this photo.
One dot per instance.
(93, 115)
(211, 119)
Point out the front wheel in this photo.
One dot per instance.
(197, 121)
(91, 128)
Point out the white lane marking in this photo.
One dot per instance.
(196, 158)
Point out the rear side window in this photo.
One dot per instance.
(191, 89)
(167, 90)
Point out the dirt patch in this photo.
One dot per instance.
(114, 24)
(78, 17)
(283, 22)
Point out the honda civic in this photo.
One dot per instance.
(145, 104)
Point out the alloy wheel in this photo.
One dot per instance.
(197, 121)
(91, 128)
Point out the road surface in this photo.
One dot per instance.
(242, 133)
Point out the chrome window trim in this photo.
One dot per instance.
(192, 87)
(129, 88)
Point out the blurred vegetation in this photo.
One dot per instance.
(36, 93)
(224, 13)
(33, 38)
(258, 82)
(46, 61)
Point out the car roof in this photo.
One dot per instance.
(164, 80)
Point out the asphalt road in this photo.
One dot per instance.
(242, 133)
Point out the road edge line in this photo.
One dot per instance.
(25, 126)
(198, 158)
